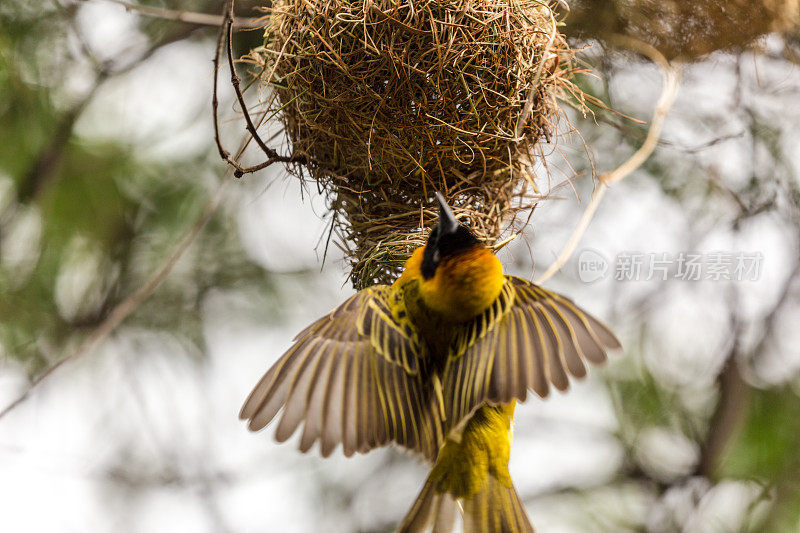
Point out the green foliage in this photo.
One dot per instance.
(767, 449)
(107, 217)
(768, 445)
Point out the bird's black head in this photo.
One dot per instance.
(447, 238)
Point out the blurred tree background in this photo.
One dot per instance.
(110, 183)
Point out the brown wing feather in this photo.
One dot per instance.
(528, 339)
(352, 377)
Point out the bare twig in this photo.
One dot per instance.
(671, 75)
(189, 17)
(226, 37)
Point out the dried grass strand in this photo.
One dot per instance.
(671, 73)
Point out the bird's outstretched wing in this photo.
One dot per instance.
(353, 377)
(529, 338)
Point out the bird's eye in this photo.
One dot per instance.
(436, 256)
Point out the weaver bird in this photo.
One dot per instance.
(435, 363)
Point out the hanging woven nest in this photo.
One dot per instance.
(679, 28)
(391, 101)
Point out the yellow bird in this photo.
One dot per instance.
(434, 363)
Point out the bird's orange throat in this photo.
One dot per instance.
(464, 285)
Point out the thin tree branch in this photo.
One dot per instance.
(42, 170)
(272, 155)
(671, 75)
(189, 17)
(132, 302)
(734, 391)
(727, 418)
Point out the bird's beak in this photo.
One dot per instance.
(447, 220)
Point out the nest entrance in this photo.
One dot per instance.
(391, 101)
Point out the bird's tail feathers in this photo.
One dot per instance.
(431, 509)
(495, 509)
